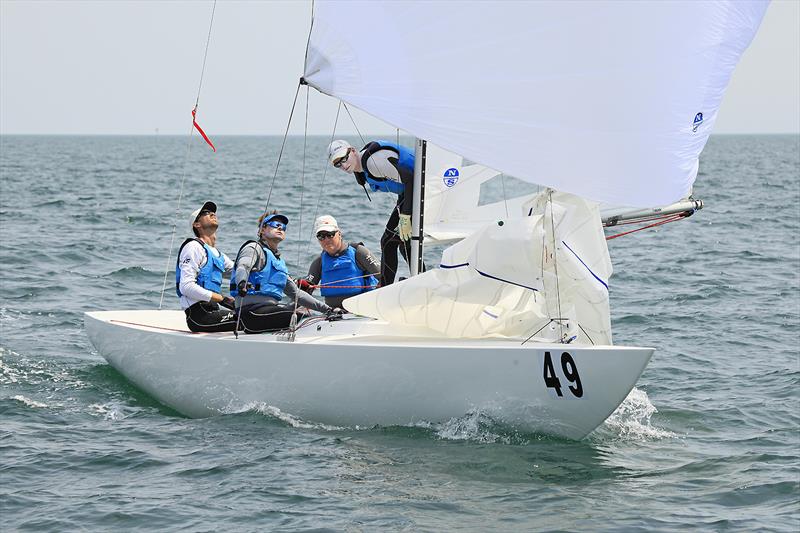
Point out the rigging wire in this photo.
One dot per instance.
(324, 175)
(186, 159)
(283, 145)
(302, 185)
(363, 142)
(555, 264)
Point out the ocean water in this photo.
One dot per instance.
(708, 440)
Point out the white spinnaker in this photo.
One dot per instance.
(601, 99)
(507, 280)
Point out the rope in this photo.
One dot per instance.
(186, 161)
(666, 219)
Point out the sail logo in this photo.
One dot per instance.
(698, 120)
(450, 177)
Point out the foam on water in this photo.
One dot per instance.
(28, 402)
(631, 420)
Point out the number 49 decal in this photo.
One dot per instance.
(570, 371)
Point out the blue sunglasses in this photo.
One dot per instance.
(275, 224)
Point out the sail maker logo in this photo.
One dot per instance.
(450, 177)
(698, 120)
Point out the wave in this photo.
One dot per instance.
(631, 421)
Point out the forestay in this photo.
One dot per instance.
(512, 279)
(613, 101)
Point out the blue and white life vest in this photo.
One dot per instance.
(405, 167)
(270, 280)
(210, 275)
(343, 270)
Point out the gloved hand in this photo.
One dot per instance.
(305, 285)
(243, 286)
(335, 313)
(228, 303)
(405, 227)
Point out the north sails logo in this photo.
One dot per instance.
(698, 120)
(450, 177)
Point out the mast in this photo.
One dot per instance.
(418, 210)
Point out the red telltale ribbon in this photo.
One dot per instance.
(202, 133)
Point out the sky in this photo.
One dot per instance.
(134, 67)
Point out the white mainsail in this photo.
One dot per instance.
(611, 101)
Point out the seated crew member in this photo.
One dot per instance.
(341, 270)
(386, 167)
(198, 275)
(261, 279)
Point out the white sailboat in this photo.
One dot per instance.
(599, 102)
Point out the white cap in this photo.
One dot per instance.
(208, 206)
(337, 149)
(325, 223)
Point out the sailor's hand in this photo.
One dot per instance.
(405, 227)
(243, 286)
(335, 313)
(228, 303)
(305, 285)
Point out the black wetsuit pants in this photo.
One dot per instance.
(265, 317)
(209, 317)
(390, 242)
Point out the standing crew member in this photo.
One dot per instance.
(198, 275)
(386, 167)
(341, 270)
(261, 279)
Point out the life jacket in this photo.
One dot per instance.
(270, 280)
(343, 270)
(210, 275)
(405, 167)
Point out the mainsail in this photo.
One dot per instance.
(611, 101)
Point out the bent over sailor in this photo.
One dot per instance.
(385, 167)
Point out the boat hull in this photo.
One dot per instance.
(352, 373)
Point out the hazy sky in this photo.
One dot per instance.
(117, 67)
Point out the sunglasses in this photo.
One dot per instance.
(275, 224)
(339, 162)
(206, 212)
(322, 235)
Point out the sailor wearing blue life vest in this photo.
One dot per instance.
(385, 167)
(341, 270)
(198, 275)
(261, 279)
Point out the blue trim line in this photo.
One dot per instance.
(584, 264)
(505, 280)
(453, 266)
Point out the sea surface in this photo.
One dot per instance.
(709, 440)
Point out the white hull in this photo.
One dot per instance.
(352, 373)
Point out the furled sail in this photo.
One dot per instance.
(613, 101)
(544, 275)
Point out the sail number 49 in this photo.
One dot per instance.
(569, 370)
